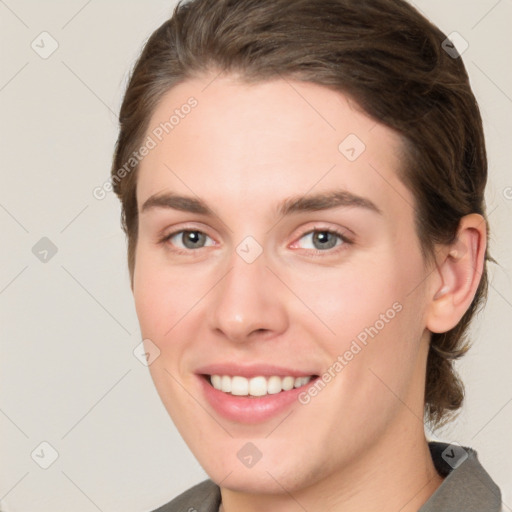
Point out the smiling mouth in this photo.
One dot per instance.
(236, 385)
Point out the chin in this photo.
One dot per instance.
(265, 477)
(255, 483)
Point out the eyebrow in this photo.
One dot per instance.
(326, 201)
(294, 204)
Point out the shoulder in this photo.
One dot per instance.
(467, 485)
(203, 497)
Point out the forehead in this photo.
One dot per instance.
(265, 141)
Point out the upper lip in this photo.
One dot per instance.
(251, 370)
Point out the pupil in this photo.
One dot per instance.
(323, 236)
(192, 237)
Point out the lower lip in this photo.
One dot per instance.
(244, 409)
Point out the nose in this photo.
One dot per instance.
(248, 302)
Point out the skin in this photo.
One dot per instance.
(360, 443)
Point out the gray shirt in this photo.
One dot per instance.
(467, 487)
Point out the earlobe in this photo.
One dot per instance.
(459, 269)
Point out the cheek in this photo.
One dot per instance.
(154, 295)
(167, 299)
(369, 311)
(349, 300)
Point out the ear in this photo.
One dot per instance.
(458, 273)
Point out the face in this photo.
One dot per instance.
(276, 249)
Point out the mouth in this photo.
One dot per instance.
(258, 386)
(254, 399)
(253, 393)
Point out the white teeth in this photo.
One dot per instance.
(239, 386)
(305, 380)
(288, 383)
(257, 386)
(301, 381)
(216, 381)
(274, 385)
(226, 384)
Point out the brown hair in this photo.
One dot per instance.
(382, 53)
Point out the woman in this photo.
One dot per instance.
(302, 185)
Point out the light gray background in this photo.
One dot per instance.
(68, 326)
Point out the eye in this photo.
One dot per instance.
(322, 240)
(186, 240)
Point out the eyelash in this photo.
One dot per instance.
(312, 252)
